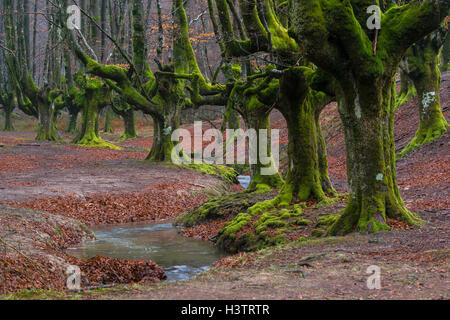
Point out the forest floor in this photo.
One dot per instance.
(99, 186)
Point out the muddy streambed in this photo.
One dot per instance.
(180, 257)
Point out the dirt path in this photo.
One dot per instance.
(35, 170)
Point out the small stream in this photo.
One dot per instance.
(180, 257)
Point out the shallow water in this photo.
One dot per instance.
(181, 257)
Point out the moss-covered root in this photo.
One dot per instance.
(96, 142)
(432, 122)
(368, 216)
(219, 208)
(425, 134)
(262, 228)
(266, 182)
(227, 174)
(47, 132)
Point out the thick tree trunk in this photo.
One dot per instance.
(446, 54)
(426, 77)
(162, 141)
(303, 178)
(258, 121)
(129, 120)
(327, 186)
(307, 164)
(88, 134)
(46, 130)
(369, 136)
(234, 122)
(73, 117)
(93, 101)
(9, 125)
(108, 117)
(333, 36)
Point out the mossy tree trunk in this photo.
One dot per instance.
(88, 134)
(334, 36)
(128, 114)
(9, 125)
(44, 101)
(307, 163)
(16, 60)
(93, 97)
(46, 128)
(260, 120)
(71, 102)
(422, 61)
(108, 117)
(162, 141)
(8, 101)
(244, 100)
(73, 118)
(129, 120)
(266, 30)
(327, 186)
(367, 115)
(31, 99)
(256, 116)
(446, 53)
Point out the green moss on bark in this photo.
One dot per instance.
(334, 37)
(94, 96)
(307, 161)
(422, 62)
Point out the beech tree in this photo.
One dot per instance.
(93, 95)
(128, 115)
(162, 95)
(421, 66)
(8, 100)
(287, 88)
(334, 36)
(43, 103)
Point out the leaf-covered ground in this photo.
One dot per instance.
(46, 186)
(32, 254)
(104, 186)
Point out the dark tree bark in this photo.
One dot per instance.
(334, 36)
(422, 67)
